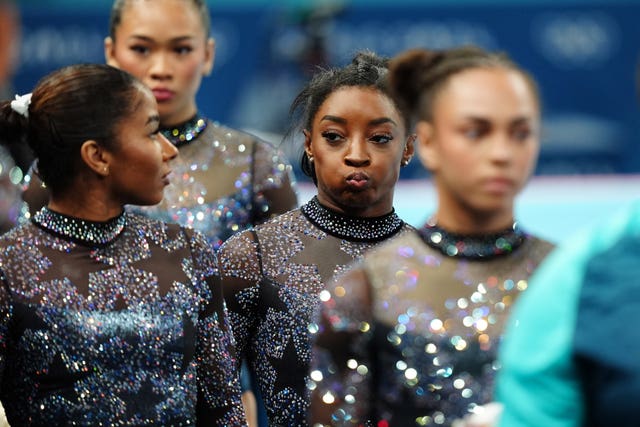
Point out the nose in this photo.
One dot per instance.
(169, 151)
(502, 149)
(357, 153)
(160, 66)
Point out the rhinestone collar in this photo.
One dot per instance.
(88, 233)
(351, 228)
(485, 246)
(186, 132)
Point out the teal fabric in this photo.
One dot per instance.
(539, 384)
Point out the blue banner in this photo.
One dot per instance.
(584, 58)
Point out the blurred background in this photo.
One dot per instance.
(584, 55)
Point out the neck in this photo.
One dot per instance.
(178, 118)
(464, 220)
(90, 205)
(374, 210)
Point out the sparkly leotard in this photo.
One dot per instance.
(223, 181)
(116, 323)
(408, 337)
(271, 281)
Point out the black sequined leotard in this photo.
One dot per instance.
(271, 280)
(409, 335)
(223, 181)
(116, 323)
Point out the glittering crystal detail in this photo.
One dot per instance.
(473, 246)
(131, 333)
(88, 233)
(256, 175)
(186, 132)
(410, 337)
(272, 291)
(352, 228)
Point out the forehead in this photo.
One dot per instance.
(161, 16)
(488, 91)
(142, 105)
(360, 101)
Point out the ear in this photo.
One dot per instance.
(307, 143)
(427, 151)
(409, 150)
(109, 54)
(95, 157)
(209, 56)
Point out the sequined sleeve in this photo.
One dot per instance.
(274, 182)
(240, 272)
(5, 317)
(341, 368)
(219, 401)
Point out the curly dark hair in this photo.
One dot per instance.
(365, 70)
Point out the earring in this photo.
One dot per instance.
(405, 162)
(106, 170)
(310, 159)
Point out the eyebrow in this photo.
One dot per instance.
(520, 120)
(515, 121)
(151, 40)
(373, 122)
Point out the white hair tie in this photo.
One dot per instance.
(21, 104)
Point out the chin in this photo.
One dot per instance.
(359, 204)
(147, 202)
